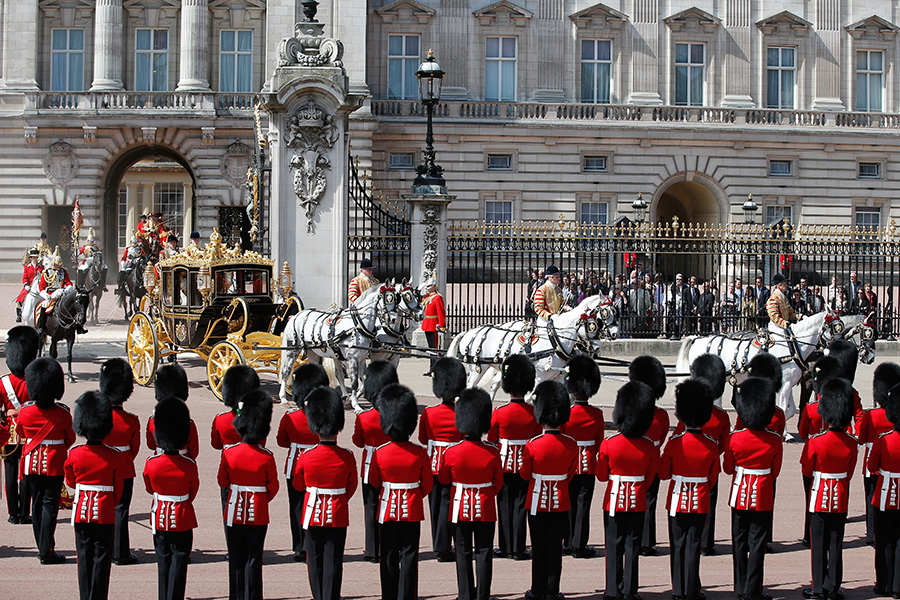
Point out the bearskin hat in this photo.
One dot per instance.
(887, 375)
(647, 369)
(892, 407)
(93, 416)
(693, 403)
(517, 375)
(836, 402)
(379, 374)
(582, 377)
(398, 411)
(634, 409)
(116, 380)
(238, 380)
(45, 381)
(324, 411)
(171, 424)
(824, 369)
(551, 404)
(711, 370)
(22, 345)
(171, 380)
(473, 412)
(848, 356)
(755, 402)
(254, 419)
(448, 378)
(767, 365)
(307, 377)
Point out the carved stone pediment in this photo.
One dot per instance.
(599, 16)
(405, 12)
(503, 13)
(237, 13)
(138, 9)
(66, 10)
(872, 28)
(693, 19)
(784, 23)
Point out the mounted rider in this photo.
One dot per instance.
(361, 282)
(86, 255)
(53, 283)
(126, 265)
(32, 268)
(43, 247)
(781, 315)
(548, 299)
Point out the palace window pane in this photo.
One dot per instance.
(696, 98)
(245, 41)
(59, 39)
(403, 62)
(509, 47)
(508, 82)
(681, 53)
(143, 39)
(681, 85)
(498, 212)
(492, 47)
(227, 43)
(587, 50)
(587, 82)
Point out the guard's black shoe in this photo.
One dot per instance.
(26, 520)
(131, 559)
(446, 556)
(529, 595)
(54, 558)
(80, 329)
(372, 559)
(522, 555)
(498, 553)
(568, 551)
(13, 520)
(836, 595)
(880, 592)
(804, 542)
(809, 594)
(586, 552)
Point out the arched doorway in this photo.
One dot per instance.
(691, 201)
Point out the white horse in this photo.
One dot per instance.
(550, 344)
(810, 334)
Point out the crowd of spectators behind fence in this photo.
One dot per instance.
(651, 305)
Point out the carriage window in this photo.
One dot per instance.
(196, 296)
(255, 282)
(179, 295)
(167, 286)
(227, 282)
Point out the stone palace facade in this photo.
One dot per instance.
(551, 108)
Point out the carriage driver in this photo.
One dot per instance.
(548, 300)
(53, 283)
(361, 282)
(780, 312)
(85, 257)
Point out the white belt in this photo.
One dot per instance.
(183, 451)
(538, 485)
(457, 497)
(314, 493)
(615, 482)
(11, 392)
(818, 476)
(886, 486)
(676, 491)
(47, 442)
(121, 448)
(368, 453)
(439, 444)
(504, 448)
(585, 443)
(739, 473)
(866, 470)
(295, 451)
(235, 492)
(157, 498)
(86, 487)
(386, 488)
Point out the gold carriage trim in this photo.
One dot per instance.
(214, 254)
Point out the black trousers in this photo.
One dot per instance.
(581, 494)
(245, 553)
(17, 499)
(548, 530)
(474, 540)
(684, 548)
(400, 560)
(512, 514)
(708, 537)
(44, 491)
(93, 543)
(807, 486)
(869, 483)
(648, 538)
(623, 533)
(121, 543)
(370, 496)
(826, 540)
(432, 338)
(887, 550)
(749, 533)
(295, 513)
(325, 560)
(173, 548)
(439, 504)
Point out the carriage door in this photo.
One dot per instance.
(178, 299)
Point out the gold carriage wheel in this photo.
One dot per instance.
(142, 348)
(223, 356)
(289, 383)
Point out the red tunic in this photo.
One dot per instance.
(587, 427)
(718, 427)
(659, 428)
(294, 434)
(691, 461)
(474, 469)
(173, 481)
(15, 395)
(28, 274)
(125, 437)
(777, 424)
(435, 313)
(811, 423)
(829, 458)
(193, 447)
(437, 431)
(629, 464)
(512, 425)
(223, 432)
(48, 457)
(249, 471)
(327, 473)
(368, 435)
(403, 472)
(42, 282)
(96, 472)
(548, 463)
(749, 454)
(884, 459)
(873, 424)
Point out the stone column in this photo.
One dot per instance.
(645, 54)
(828, 56)
(20, 45)
(736, 49)
(187, 226)
(108, 46)
(194, 68)
(133, 217)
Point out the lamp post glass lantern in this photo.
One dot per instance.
(430, 76)
(750, 207)
(639, 207)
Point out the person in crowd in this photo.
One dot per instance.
(853, 287)
(729, 309)
(639, 304)
(681, 307)
(660, 303)
(815, 301)
(762, 296)
(798, 303)
(832, 292)
(884, 459)
(748, 309)
(866, 301)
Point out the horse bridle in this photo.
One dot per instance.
(68, 316)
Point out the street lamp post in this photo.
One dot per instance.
(639, 207)
(750, 207)
(430, 76)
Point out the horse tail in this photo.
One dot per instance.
(329, 365)
(682, 363)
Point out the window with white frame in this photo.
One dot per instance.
(868, 219)
(596, 71)
(235, 60)
(780, 77)
(781, 168)
(500, 69)
(151, 69)
(778, 213)
(403, 160)
(498, 211)
(403, 62)
(168, 200)
(67, 60)
(869, 170)
(869, 80)
(123, 217)
(594, 213)
(595, 164)
(499, 162)
(690, 63)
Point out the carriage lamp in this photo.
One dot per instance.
(150, 279)
(430, 76)
(750, 207)
(204, 281)
(639, 206)
(286, 280)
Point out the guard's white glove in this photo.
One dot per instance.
(27, 288)
(45, 295)
(56, 294)
(68, 287)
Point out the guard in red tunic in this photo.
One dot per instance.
(473, 467)
(172, 479)
(435, 313)
(31, 269)
(512, 425)
(368, 435)
(753, 456)
(629, 461)
(45, 427)
(548, 463)
(294, 434)
(117, 383)
(171, 382)
(327, 474)
(647, 369)
(96, 472)
(884, 459)
(248, 470)
(22, 345)
(829, 458)
(403, 472)
(437, 432)
(586, 426)
(691, 462)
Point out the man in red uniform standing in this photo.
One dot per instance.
(435, 313)
(31, 269)
(884, 459)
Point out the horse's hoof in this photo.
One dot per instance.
(71, 379)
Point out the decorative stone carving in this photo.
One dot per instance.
(235, 163)
(31, 134)
(90, 134)
(60, 164)
(430, 256)
(309, 48)
(148, 134)
(208, 135)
